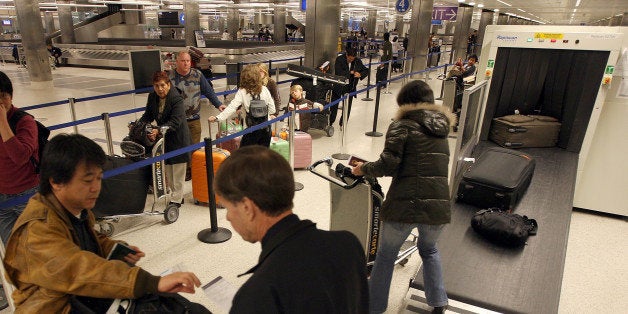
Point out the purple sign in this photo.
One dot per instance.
(445, 13)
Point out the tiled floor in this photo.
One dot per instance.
(596, 271)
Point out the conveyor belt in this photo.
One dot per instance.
(114, 54)
(526, 280)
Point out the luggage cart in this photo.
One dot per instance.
(355, 207)
(320, 93)
(133, 151)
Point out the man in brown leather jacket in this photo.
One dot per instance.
(54, 257)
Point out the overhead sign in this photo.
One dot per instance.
(445, 13)
(402, 6)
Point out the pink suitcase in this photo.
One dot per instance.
(302, 149)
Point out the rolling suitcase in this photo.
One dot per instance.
(525, 131)
(124, 193)
(302, 149)
(499, 178)
(281, 146)
(199, 173)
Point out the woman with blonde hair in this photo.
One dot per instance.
(271, 85)
(250, 86)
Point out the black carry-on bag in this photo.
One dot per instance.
(499, 178)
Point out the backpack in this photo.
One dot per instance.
(503, 228)
(42, 135)
(258, 112)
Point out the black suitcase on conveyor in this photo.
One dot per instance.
(525, 131)
(499, 178)
(124, 193)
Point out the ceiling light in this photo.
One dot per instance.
(577, 3)
(480, 5)
(521, 10)
(496, 10)
(461, 1)
(471, 3)
(502, 2)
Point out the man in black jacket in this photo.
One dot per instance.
(350, 66)
(301, 269)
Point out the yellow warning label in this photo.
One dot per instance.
(548, 35)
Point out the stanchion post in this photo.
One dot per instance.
(343, 155)
(73, 113)
(374, 133)
(214, 234)
(270, 66)
(105, 118)
(277, 76)
(368, 80)
(291, 124)
(238, 74)
(301, 61)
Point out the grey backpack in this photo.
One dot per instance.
(258, 111)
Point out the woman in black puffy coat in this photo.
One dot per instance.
(416, 155)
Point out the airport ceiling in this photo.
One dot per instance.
(558, 12)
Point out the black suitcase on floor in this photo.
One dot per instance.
(124, 193)
(381, 75)
(499, 178)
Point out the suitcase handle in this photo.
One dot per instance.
(513, 144)
(517, 130)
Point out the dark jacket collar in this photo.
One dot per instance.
(277, 235)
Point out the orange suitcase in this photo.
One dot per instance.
(199, 173)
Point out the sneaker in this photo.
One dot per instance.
(188, 176)
(439, 309)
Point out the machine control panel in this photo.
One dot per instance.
(558, 40)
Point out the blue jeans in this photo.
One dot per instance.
(393, 234)
(8, 216)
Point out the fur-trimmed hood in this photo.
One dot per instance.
(437, 120)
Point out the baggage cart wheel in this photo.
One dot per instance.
(171, 214)
(329, 130)
(106, 228)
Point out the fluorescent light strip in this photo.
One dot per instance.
(502, 2)
(577, 3)
(521, 10)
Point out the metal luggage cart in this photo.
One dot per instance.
(159, 184)
(355, 207)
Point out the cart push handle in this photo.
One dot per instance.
(341, 171)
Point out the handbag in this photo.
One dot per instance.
(165, 303)
(502, 227)
(150, 303)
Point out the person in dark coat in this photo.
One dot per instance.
(301, 269)
(350, 66)
(165, 107)
(416, 156)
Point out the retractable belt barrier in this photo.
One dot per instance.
(142, 163)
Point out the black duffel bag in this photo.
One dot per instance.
(502, 227)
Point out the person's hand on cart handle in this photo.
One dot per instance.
(211, 119)
(357, 169)
(153, 135)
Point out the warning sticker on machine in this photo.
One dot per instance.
(548, 35)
